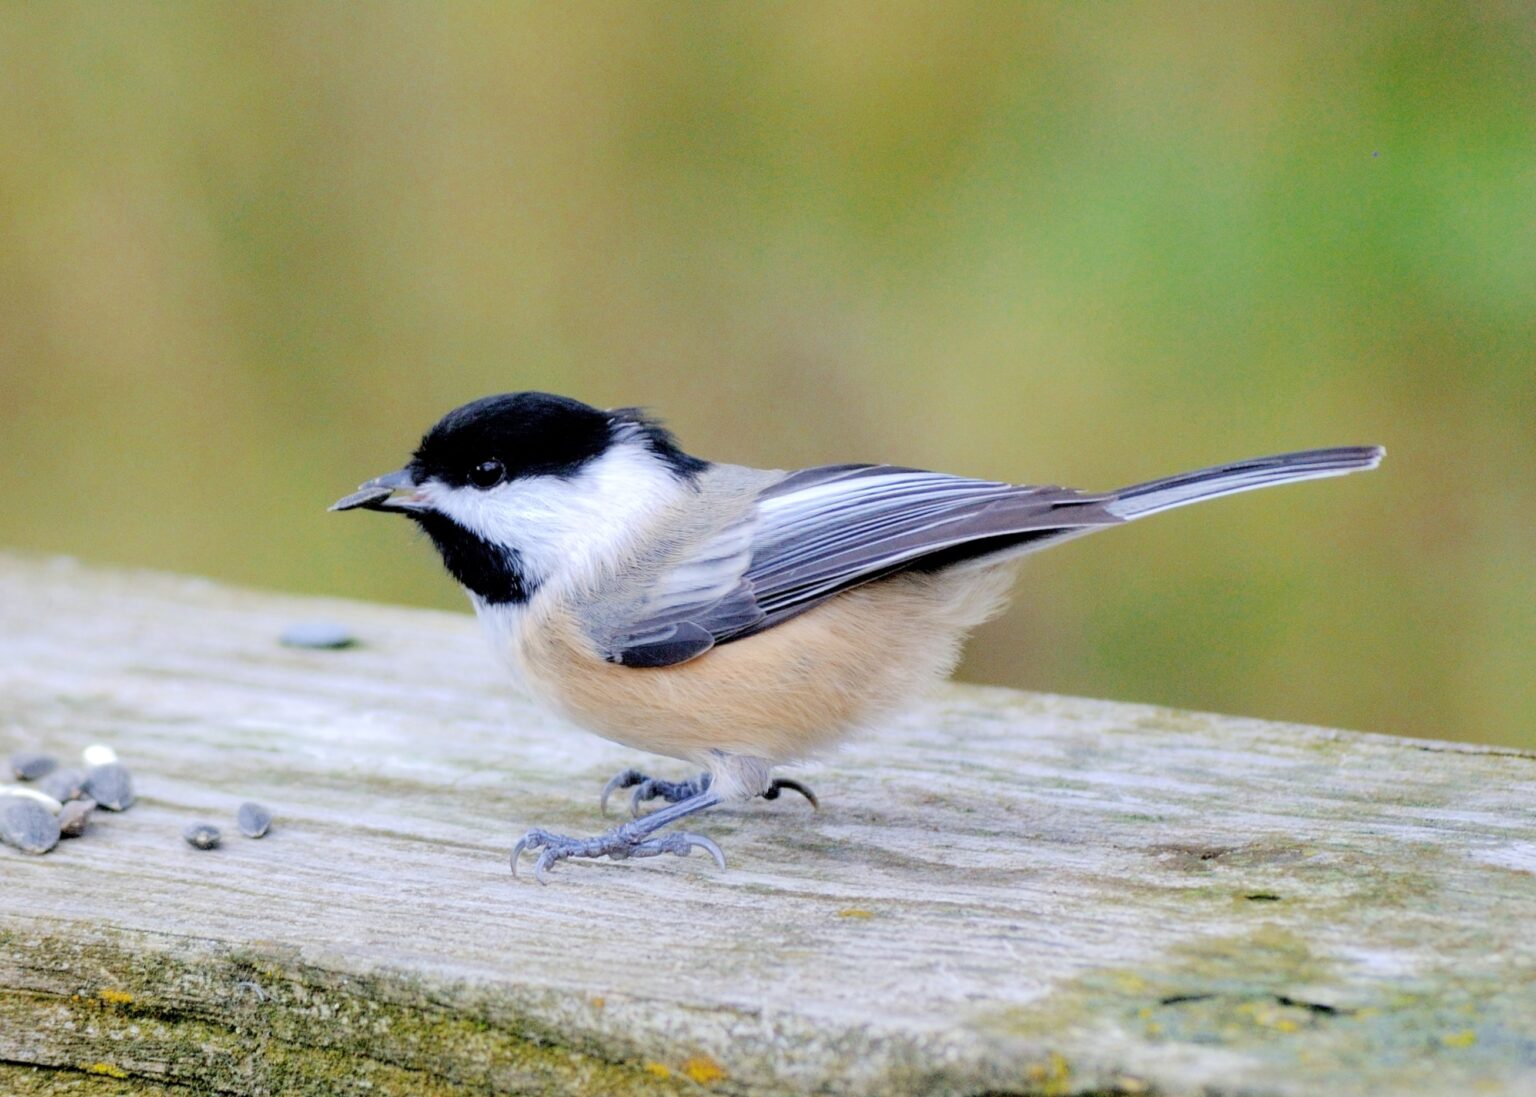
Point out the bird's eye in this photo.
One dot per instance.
(487, 474)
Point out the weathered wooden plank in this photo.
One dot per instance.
(1003, 892)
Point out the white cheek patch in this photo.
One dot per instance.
(564, 529)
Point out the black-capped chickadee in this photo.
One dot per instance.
(736, 618)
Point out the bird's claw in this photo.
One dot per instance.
(615, 845)
(654, 788)
(651, 788)
(781, 783)
(624, 779)
(635, 839)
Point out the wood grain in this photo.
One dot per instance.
(1003, 892)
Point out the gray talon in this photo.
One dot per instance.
(541, 867)
(517, 851)
(623, 779)
(708, 845)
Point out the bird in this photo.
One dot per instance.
(735, 618)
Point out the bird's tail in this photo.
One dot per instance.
(1154, 496)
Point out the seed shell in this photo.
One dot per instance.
(35, 795)
(110, 786)
(202, 835)
(98, 754)
(27, 825)
(64, 784)
(74, 817)
(29, 765)
(317, 634)
(253, 819)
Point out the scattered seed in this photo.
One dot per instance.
(317, 634)
(64, 784)
(29, 765)
(110, 786)
(27, 825)
(253, 819)
(98, 754)
(202, 835)
(74, 817)
(32, 794)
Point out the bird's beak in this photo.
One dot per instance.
(392, 491)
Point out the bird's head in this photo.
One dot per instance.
(519, 489)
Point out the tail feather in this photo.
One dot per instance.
(1154, 496)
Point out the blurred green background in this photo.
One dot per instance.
(248, 252)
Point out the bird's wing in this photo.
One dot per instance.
(792, 542)
(820, 531)
(690, 604)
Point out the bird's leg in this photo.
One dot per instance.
(631, 839)
(654, 788)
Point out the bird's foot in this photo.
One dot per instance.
(619, 844)
(654, 788)
(651, 788)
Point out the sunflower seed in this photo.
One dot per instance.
(317, 634)
(32, 794)
(202, 835)
(29, 765)
(27, 825)
(74, 817)
(110, 786)
(253, 819)
(64, 784)
(98, 754)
